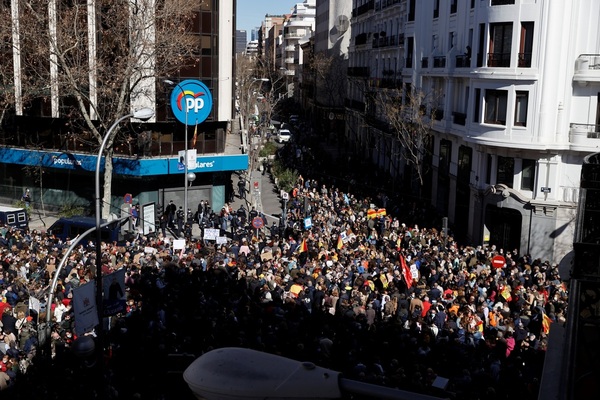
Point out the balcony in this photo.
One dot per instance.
(364, 8)
(463, 61)
(524, 60)
(362, 72)
(360, 39)
(459, 118)
(439, 62)
(498, 60)
(587, 69)
(584, 137)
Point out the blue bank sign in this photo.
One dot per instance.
(191, 102)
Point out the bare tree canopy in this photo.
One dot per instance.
(90, 62)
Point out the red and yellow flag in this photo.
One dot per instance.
(303, 246)
(340, 243)
(406, 272)
(546, 321)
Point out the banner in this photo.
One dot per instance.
(114, 293)
(84, 306)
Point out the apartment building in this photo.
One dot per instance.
(516, 112)
(39, 131)
(299, 27)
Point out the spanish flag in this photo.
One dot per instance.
(195, 136)
(303, 246)
(506, 293)
(406, 272)
(340, 243)
(546, 321)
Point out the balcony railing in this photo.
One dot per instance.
(498, 60)
(439, 62)
(463, 61)
(364, 8)
(591, 131)
(358, 71)
(587, 68)
(360, 39)
(524, 60)
(459, 118)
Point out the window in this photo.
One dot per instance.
(500, 45)
(436, 8)
(526, 44)
(488, 171)
(495, 106)
(528, 174)
(445, 152)
(480, 45)
(477, 106)
(598, 111)
(453, 6)
(506, 171)
(521, 102)
(411, 10)
(410, 44)
(465, 154)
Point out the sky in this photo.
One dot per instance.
(251, 13)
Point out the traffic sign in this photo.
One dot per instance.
(498, 261)
(128, 198)
(255, 185)
(257, 222)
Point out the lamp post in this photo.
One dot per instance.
(143, 114)
(185, 154)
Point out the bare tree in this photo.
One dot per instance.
(408, 115)
(95, 60)
(330, 78)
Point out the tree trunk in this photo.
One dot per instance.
(107, 192)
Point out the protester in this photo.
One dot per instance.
(391, 303)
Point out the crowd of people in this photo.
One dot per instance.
(391, 304)
(378, 298)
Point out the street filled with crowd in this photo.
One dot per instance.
(350, 281)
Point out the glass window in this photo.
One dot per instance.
(526, 44)
(528, 174)
(488, 171)
(521, 102)
(495, 106)
(500, 44)
(506, 171)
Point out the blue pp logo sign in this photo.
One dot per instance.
(191, 102)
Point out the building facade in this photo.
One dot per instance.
(38, 132)
(516, 109)
(298, 27)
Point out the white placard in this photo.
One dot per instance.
(178, 244)
(221, 239)
(211, 234)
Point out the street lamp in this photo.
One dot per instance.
(143, 114)
(185, 154)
